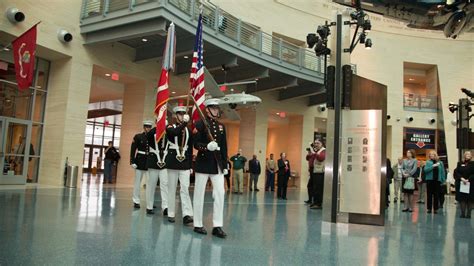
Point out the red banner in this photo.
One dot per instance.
(161, 104)
(24, 50)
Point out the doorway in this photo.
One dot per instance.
(14, 151)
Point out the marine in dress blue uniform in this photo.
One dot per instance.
(138, 159)
(211, 162)
(156, 163)
(178, 161)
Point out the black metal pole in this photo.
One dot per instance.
(337, 119)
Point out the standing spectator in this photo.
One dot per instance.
(227, 176)
(310, 157)
(409, 169)
(443, 190)
(421, 183)
(112, 156)
(255, 170)
(284, 171)
(397, 179)
(389, 178)
(270, 169)
(238, 169)
(464, 173)
(434, 175)
(318, 174)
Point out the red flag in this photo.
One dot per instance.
(163, 93)
(24, 50)
(161, 107)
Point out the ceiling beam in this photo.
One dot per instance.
(212, 61)
(128, 31)
(241, 74)
(317, 99)
(155, 50)
(300, 91)
(275, 82)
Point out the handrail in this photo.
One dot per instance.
(420, 101)
(224, 23)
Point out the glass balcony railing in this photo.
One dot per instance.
(221, 22)
(418, 102)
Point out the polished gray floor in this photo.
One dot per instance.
(96, 225)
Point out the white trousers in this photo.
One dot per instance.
(218, 193)
(186, 205)
(136, 185)
(153, 175)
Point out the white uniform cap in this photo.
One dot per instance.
(148, 123)
(179, 109)
(211, 102)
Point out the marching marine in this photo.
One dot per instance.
(156, 164)
(178, 162)
(138, 160)
(211, 162)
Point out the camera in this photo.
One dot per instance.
(431, 120)
(409, 118)
(321, 108)
(453, 107)
(64, 36)
(14, 15)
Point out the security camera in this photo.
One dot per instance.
(388, 117)
(321, 108)
(64, 36)
(14, 15)
(232, 105)
(431, 120)
(398, 119)
(454, 122)
(409, 118)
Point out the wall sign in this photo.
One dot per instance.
(361, 161)
(416, 138)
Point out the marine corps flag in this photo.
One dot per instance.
(24, 50)
(163, 93)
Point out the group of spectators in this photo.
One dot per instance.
(281, 167)
(409, 175)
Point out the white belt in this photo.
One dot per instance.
(142, 152)
(177, 147)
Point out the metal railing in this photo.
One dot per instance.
(418, 102)
(221, 22)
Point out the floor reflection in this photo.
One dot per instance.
(96, 224)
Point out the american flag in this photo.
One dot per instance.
(163, 94)
(197, 73)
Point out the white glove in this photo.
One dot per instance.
(134, 166)
(186, 118)
(191, 171)
(225, 172)
(212, 146)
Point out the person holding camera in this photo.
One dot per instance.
(317, 171)
(310, 157)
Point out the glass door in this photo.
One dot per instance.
(15, 146)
